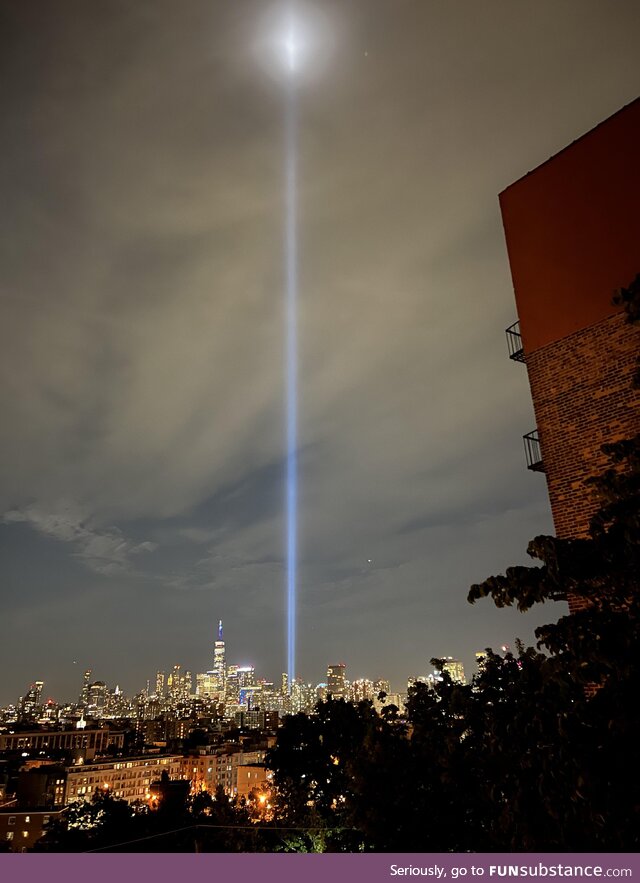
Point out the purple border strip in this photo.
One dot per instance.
(277, 868)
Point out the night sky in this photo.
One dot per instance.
(141, 277)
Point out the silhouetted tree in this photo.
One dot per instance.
(597, 648)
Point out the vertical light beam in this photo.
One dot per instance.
(291, 335)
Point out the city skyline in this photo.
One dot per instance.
(143, 457)
(190, 681)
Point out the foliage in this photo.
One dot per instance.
(89, 825)
(312, 762)
(522, 759)
(207, 823)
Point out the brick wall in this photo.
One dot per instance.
(582, 397)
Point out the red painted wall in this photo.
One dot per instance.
(572, 228)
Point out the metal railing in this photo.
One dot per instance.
(514, 342)
(533, 452)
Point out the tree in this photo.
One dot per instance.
(87, 825)
(596, 648)
(313, 763)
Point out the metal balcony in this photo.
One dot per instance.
(533, 451)
(514, 342)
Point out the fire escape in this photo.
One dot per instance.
(532, 450)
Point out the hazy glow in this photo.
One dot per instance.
(292, 46)
(294, 38)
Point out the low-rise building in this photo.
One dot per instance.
(125, 778)
(252, 777)
(42, 786)
(89, 743)
(209, 770)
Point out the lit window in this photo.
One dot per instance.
(9, 835)
(27, 819)
(25, 833)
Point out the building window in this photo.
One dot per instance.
(25, 833)
(27, 819)
(12, 820)
(9, 835)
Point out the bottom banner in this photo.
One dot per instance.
(280, 868)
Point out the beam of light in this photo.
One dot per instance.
(291, 335)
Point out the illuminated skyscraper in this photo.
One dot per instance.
(31, 704)
(303, 697)
(239, 677)
(206, 685)
(84, 695)
(219, 664)
(98, 696)
(174, 683)
(336, 680)
(159, 691)
(362, 688)
(454, 669)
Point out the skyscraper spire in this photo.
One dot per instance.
(219, 662)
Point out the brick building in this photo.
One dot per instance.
(253, 777)
(572, 229)
(218, 768)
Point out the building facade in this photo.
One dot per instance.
(87, 742)
(572, 230)
(219, 662)
(337, 681)
(21, 829)
(125, 778)
(209, 770)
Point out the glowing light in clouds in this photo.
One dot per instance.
(294, 38)
(292, 46)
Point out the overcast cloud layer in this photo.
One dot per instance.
(141, 471)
